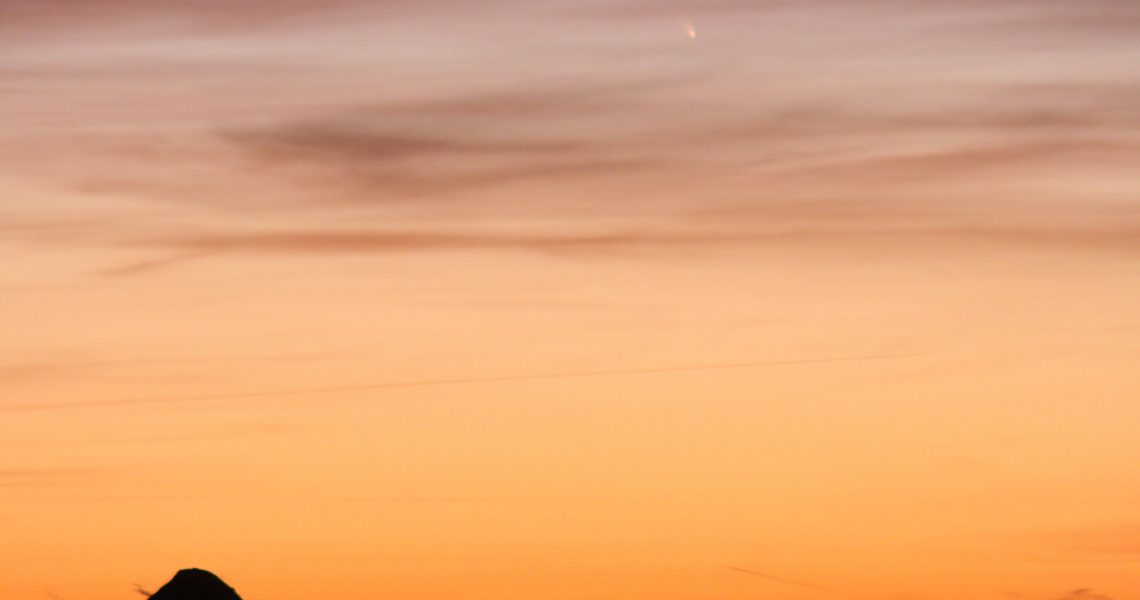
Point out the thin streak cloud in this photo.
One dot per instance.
(48, 477)
(776, 579)
(188, 248)
(269, 394)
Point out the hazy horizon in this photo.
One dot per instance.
(602, 300)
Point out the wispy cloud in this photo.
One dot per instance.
(1083, 594)
(181, 248)
(200, 16)
(47, 477)
(351, 141)
(776, 579)
(393, 385)
(1046, 14)
(1095, 542)
(56, 369)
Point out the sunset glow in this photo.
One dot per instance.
(537, 300)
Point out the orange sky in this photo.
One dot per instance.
(544, 300)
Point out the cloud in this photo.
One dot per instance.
(46, 477)
(942, 164)
(544, 99)
(534, 129)
(362, 164)
(1083, 594)
(10, 374)
(912, 160)
(1096, 542)
(55, 369)
(352, 142)
(143, 267)
(437, 500)
(178, 248)
(30, 18)
(776, 579)
(371, 153)
(182, 248)
(392, 385)
(363, 241)
(1048, 14)
(458, 145)
(438, 147)
(1001, 109)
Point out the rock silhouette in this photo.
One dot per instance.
(195, 584)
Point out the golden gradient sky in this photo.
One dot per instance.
(538, 300)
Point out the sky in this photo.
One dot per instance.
(599, 299)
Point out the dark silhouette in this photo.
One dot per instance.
(195, 584)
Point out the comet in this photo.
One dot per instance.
(687, 25)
